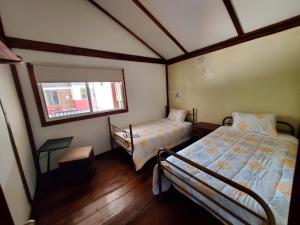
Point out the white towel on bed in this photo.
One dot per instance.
(166, 184)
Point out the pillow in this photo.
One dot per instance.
(263, 124)
(177, 115)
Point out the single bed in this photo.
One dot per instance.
(142, 142)
(240, 177)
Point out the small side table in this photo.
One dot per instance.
(199, 130)
(53, 145)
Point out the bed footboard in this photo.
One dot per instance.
(270, 220)
(120, 136)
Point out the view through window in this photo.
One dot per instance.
(66, 99)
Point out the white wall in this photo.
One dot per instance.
(259, 76)
(79, 23)
(146, 93)
(69, 22)
(9, 175)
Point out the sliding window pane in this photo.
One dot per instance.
(107, 96)
(65, 99)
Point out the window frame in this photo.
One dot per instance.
(43, 113)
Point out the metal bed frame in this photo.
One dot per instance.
(281, 126)
(270, 220)
(128, 145)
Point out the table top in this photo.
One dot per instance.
(207, 126)
(55, 144)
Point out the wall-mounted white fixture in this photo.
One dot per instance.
(204, 70)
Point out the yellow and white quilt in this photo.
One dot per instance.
(150, 137)
(263, 164)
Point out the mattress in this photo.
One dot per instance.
(263, 164)
(149, 138)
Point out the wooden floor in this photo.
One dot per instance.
(116, 195)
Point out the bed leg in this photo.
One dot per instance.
(110, 135)
(159, 183)
(167, 111)
(131, 138)
(159, 173)
(194, 116)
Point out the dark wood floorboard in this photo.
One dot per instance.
(117, 195)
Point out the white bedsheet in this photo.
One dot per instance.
(150, 137)
(265, 165)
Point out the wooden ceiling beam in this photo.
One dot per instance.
(147, 12)
(268, 30)
(72, 50)
(123, 26)
(234, 18)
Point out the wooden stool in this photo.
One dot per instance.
(77, 163)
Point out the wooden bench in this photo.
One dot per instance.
(77, 163)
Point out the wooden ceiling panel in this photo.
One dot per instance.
(256, 14)
(133, 18)
(194, 23)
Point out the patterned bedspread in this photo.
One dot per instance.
(265, 165)
(150, 137)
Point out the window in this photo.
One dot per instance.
(65, 94)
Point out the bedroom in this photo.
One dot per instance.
(210, 58)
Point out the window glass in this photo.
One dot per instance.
(65, 99)
(106, 96)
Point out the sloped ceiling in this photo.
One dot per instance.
(68, 22)
(254, 14)
(131, 16)
(194, 23)
(176, 27)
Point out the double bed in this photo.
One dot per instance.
(142, 142)
(239, 176)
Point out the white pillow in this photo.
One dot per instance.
(263, 124)
(177, 115)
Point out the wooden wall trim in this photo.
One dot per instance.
(149, 14)
(17, 82)
(167, 86)
(233, 16)
(268, 30)
(295, 196)
(36, 93)
(5, 214)
(72, 50)
(15, 151)
(2, 34)
(123, 26)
